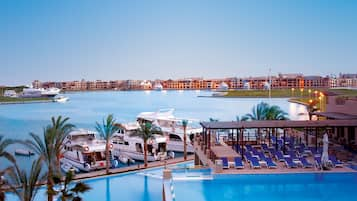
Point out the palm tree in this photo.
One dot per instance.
(4, 153)
(3, 145)
(3, 181)
(106, 131)
(67, 192)
(184, 125)
(263, 111)
(23, 185)
(146, 131)
(45, 149)
(61, 129)
(276, 113)
(258, 112)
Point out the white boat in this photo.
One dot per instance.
(158, 86)
(133, 147)
(60, 99)
(10, 93)
(66, 167)
(40, 92)
(24, 152)
(173, 129)
(84, 151)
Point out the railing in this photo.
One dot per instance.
(168, 193)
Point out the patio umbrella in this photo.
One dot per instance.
(324, 157)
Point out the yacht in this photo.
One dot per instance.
(84, 151)
(40, 92)
(125, 145)
(158, 86)
(172, 128)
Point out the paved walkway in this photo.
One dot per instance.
(132, 168)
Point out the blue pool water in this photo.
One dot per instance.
(272, 187)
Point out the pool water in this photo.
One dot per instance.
(147, 186)
(270, 187)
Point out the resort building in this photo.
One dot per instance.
(281, 81)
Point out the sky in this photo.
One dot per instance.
(167, 39)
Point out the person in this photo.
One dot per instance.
(128, 162)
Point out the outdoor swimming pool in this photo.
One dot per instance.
(147, 186)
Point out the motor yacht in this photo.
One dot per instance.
(84, 151)
(172, 128)
(132, 147)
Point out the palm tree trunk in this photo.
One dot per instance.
(49, 185)
(107, 156)
(184, 144)
(145, 154)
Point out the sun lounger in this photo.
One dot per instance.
(238, 149)
(225, 164)
(238, 163)
(270, 163)
(265, 148)
(261, 155)
(279, 156)
(335, 162)
(254, 163)
(292, 155)
(249, 147)
(305, 163)
(290, 163)
(318, 162)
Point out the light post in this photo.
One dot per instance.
(301, 91)
(184, 125)
(309, 93)
(320, 102)
(292, 91)
(316, 92)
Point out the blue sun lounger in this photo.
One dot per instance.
(270, 163)
(290, 163)
(335, 162)
(238, 163)
(305, 163)
(225, 164)
(254, 163)
(279, 156)
(265, 148)
(318, 162)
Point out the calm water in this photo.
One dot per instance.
(85, 108)
(272, 187)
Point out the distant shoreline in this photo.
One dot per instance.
(8, 101)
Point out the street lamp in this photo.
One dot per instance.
(309, 93)
(292, 91)
(301, 91)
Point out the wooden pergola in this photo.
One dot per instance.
(240, 126)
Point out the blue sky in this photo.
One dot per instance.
(109, 40)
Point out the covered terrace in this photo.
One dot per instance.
(311, 131)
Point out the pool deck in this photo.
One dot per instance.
(281, 168)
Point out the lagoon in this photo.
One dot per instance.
(85, 108)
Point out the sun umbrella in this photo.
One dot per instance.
(324, 157)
